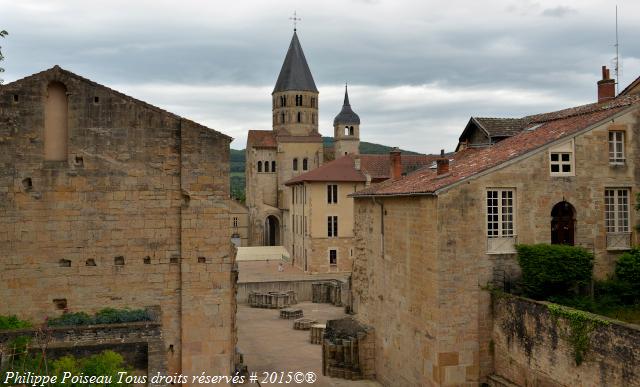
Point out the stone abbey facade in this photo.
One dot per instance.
(107, 201)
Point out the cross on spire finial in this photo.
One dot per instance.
(295, 19)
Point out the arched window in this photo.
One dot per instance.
(282, 118)
(313, 118)
(295, 164)
(273, 166)
(259, 166)
(299, 117)
(351, 131)
(266, 166)
(55, 123)
(305, 164)
(346, 130)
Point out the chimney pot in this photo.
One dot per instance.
(395, 158)
(606, 86)
(442, 164)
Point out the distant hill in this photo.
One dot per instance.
(238, 163)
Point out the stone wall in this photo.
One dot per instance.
(136, 215)
(140, 343)
(531, 348)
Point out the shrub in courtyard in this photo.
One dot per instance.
(13, 322)
(628, 272)
(104, 316)
(554, 270)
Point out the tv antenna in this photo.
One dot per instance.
(616, 67)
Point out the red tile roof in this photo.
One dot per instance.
(546, 128)
(376, 166)
(342, 169)
(262, 139)
(379, 166)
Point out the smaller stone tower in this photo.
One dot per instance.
(346, 130)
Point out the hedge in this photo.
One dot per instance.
(104, 316)
(554, 270)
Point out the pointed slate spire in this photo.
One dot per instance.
(346, 115)
(295, 73)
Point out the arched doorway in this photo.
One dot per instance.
(272, 231)
(563, 224)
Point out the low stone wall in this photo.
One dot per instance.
(532, 346)
(140, 343)
(302, 288)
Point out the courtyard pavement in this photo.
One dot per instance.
(269, 343)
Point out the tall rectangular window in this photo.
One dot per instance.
(501, 236)
(333, 257)
(616, 209)
(332, 193)
(332, 226)
(500, 215)
(616, 148)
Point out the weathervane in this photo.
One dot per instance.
(295, 19)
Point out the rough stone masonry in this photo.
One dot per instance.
(106, 201)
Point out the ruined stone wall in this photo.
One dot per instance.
(141, 200)
(531, 347)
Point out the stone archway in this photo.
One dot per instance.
(272, 231)
(563, 224)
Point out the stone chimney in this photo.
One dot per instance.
(356, 162)
(606, 86)
(442, 164)
(395, 165)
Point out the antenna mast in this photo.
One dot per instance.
(617, 65)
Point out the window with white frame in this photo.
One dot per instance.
(501, 220)
(616, 148)
(561, 160)
(616, 214)
(332, 226)
(332, 193)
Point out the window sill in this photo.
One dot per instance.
(614, 248)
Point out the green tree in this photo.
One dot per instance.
(3, 33)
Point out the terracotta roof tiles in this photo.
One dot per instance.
(547, 128)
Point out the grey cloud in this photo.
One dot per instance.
(559, 11)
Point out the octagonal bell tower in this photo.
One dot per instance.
(295, 96)
(346, 129)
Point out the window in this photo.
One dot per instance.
(235, 222)
(333, 257)
(332, 226)
(305, 164)
(616, 213)
(332, 193)
(616, 148)
(282, 118)
(346, 130)
(561, 160)
(500, 221)
(259, 166)
(299, 117)
(295, 164)
(266, 166)
(313, 118)
(351, 131)
(273, 166)
(560, 163)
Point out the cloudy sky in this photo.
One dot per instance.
(417, 70)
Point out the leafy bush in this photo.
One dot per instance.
(628, 270)
(106, 363)
(105, 316)
(13, 322)
(554, 270)
(79, 318)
